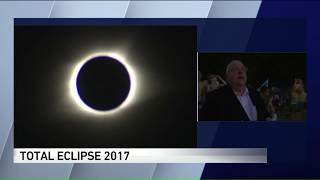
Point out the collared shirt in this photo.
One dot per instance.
(247, 105)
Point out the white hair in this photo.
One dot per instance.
(229, 66)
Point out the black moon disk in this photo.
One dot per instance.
(103, 83)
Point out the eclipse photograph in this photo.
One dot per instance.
(105, 86)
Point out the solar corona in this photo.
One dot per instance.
(102, 84)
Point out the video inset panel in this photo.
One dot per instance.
(252, 87)
(105, 86)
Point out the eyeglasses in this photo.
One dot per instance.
(238, 69)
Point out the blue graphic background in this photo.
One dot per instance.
(293, 148)
(278, 26)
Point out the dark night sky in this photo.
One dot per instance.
(163, 113)
(279, 68)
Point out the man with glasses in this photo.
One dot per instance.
(236, 101)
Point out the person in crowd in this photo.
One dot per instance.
(298, 99)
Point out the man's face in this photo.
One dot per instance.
(237, 74)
